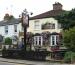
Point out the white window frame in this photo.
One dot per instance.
(55, 40)
(36, 25)
(38, 39)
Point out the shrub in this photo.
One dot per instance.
(69, 57)
(8, 41)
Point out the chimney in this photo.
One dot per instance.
(57, 6)
(6, 17)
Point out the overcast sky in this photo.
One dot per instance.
(15, 7)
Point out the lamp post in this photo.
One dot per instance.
(25, 24)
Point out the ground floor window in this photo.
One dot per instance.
(54, 40)
(38, 40)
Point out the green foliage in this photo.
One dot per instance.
(8, 41)
(67, 19)
(69, 38)
(69, 57)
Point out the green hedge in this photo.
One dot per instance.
(69, 57)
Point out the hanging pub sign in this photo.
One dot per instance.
(25, 20)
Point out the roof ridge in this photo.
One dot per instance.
(47, 14)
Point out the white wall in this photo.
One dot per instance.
(10, 30)
(43, 21)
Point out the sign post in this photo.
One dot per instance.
(25, 24)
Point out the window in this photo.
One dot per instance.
(53, 26)
(6, 29)
(15, 28)
(54, 40)
(37, 40)
(36, 25)
(48, 26)
(59, 26)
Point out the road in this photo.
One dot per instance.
(32, 63)
(6, 63)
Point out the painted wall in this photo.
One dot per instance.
(43, 21)
(31, 27)
(11, 31)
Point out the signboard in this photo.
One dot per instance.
(25, 20)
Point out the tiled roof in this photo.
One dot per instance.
(48, 14)
(9, 22)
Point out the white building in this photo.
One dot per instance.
(10, 27)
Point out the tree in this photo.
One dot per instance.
(69, 38)
(67, 19)
(8, 41)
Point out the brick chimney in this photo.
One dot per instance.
(6, 17)
(57, 6)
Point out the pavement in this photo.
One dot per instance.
(12, 61)
(27, 62)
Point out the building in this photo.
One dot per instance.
(46, 23)
(43, 33)
(47, 30)
(10, 27)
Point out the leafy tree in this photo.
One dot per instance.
(67, 19)
(69, 38)
(8, 41)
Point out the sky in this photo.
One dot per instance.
(16, 7)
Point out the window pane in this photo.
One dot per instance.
(53, 40)
(15, 28)
(57, 39)
(6, 29)
(37, 40)
(36, 24)
(53, 26)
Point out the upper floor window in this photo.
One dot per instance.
(36, 24)
(48, 26)
(53, 26)
(15, 28)
(6, 29)
(59, 26)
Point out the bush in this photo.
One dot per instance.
(69, 57)
(8, 41)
